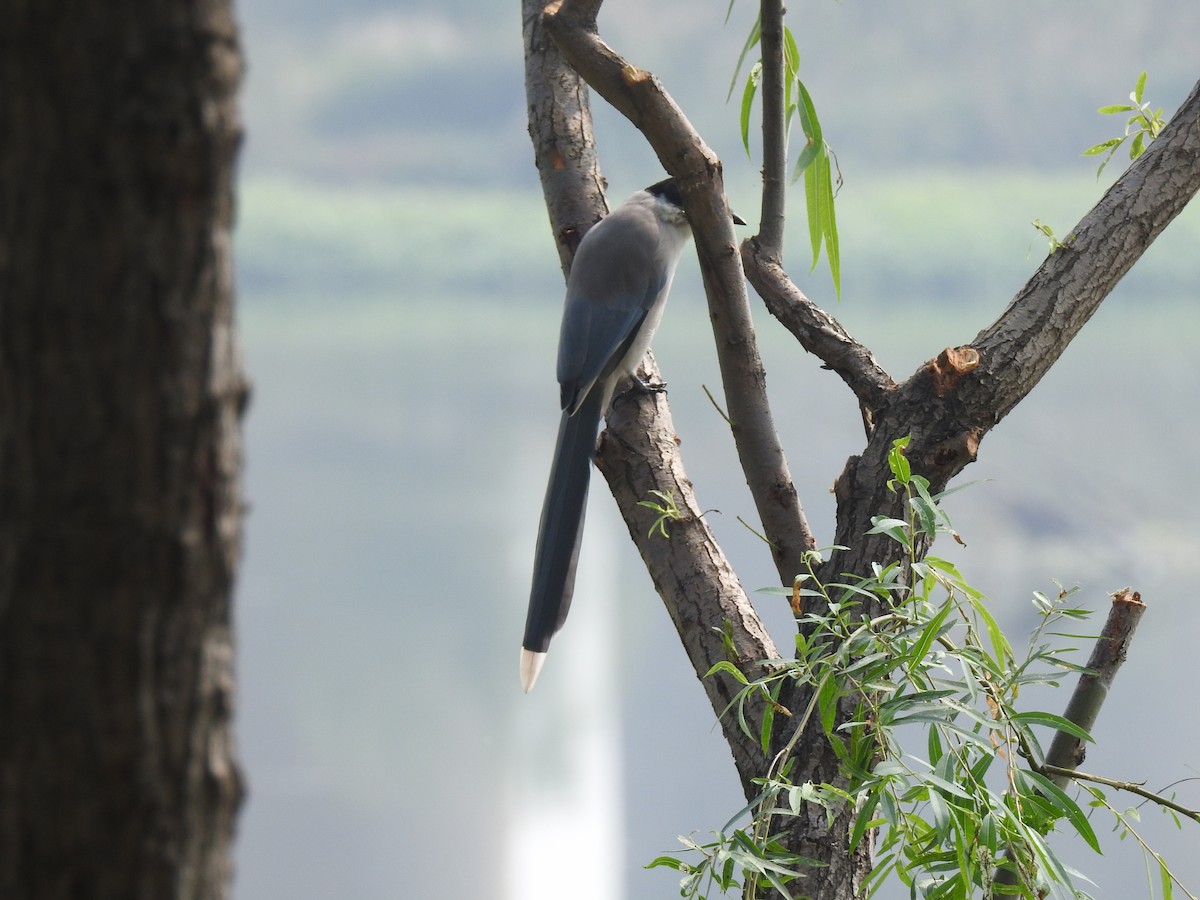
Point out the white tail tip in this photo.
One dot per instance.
(531, 665)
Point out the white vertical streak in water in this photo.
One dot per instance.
(564, 834)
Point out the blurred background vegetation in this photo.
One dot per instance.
(400, 297)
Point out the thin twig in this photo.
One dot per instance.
(774, 128)
(1132, 787)
(817, 331)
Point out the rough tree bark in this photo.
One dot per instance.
(120, 395)
(946, 407)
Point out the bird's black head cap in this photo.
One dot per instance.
(668, 190)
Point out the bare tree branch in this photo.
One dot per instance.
(817, 331)
(639, 96)
(774, 128)
(640, 453)
(1028, 338)
(1067, 751)
(560, 127)
(1129, 786)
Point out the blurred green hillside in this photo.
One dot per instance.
(425, 92)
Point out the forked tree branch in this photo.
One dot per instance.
(949, 404)
(817, 331)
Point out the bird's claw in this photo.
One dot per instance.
(638, 385)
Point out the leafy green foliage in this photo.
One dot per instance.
(910, 650)
(1048, 233)
(666, 509)
(816, 162)
(1140, 128)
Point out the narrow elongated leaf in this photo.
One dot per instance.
(811, 205)
(829, 225)
(1000, 645)
(941, 815)
(865, 820)
(1056, 722)
(949, 787)
(1059, 799)
(1165, 880)
(791, 54)
(818, 188)
(1137, 145)
(767, 721)
(748, 103)
(729, 669)
(669, 861)
(898, 462)
(929, 635)
(827, 704)
(924, 699)
(1110, 144)
(791, 69)
(808, 116)
(751, 40)
(926, 514)
(807, 155)
(896, 529)
(934, 746)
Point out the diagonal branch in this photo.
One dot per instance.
(640, 453)
(817, 331)
(1066, 750)
(1046, 314)
(949, 404)
(560, 127)
(1127, 786)
(638, 95)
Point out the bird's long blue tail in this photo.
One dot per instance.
(559, 533)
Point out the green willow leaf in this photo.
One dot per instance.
(748, 103)
(1139, 88)
(751, 40)
(728, 668)
(1059, 799)
(1056, 722)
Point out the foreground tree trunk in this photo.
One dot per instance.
(120, 394)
